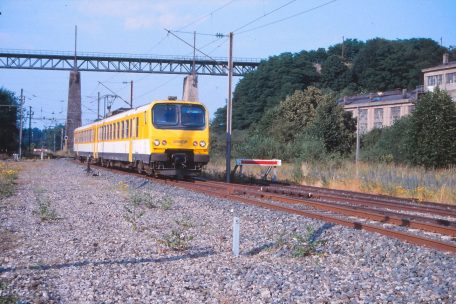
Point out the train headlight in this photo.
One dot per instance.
(157, 142)
(164, 142)
(195, 143)
(203, 143)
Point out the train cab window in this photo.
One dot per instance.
(192, 116)
(179, 116)
(165, 115)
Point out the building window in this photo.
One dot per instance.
(451, 78)
(378, 118)
(362, 120)
(434, 80)
(395, 114)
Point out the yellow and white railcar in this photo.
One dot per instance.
(167, 137)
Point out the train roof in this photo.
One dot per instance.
(134, 111)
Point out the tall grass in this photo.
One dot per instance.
(389, 179)
(8, 176)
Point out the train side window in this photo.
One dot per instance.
(131, 127)
(110, 132)
(127, 123)
(137, 127)
(123, 130)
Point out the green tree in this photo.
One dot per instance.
(285, 121)
(384, 64)
(432, 137)
(335, 127)
(387, 144)
(335, 74)
(264, 88)
(8, 122)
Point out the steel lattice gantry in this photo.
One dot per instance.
(100, 62)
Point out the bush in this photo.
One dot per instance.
(258, 146)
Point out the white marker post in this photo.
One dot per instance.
(236, 236)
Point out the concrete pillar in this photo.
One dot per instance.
(74, 107)
(190, 92)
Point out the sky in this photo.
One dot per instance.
(262, 28)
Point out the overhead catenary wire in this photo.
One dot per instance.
(207, 15)
(288, 17)
(264, 15)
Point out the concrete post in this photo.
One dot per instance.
(190, 88)
(74, 107)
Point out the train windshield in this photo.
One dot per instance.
(179, 116)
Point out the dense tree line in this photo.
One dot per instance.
(287, 108)
(348, 68)
(8, 122)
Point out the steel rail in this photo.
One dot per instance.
(365, 202)
(227, 192)
(375, 216)
(403, 236)
(377, 197)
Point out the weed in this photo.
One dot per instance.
(143, 199)
(185, 222)
(298, 245)
(133, 212)
(6, 298)
(45, 211)
(179, 238)
(166, 203)
(8, 178)
(122, 186)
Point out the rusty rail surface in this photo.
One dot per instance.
(244, 194)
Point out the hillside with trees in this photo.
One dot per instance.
(288, 108)
(354, 67)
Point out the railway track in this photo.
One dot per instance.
(357, 211)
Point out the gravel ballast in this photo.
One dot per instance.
(73, 237)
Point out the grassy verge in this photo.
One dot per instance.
(8, 176)
(388, 179)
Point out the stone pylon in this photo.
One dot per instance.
(190, 92)
(74, 108)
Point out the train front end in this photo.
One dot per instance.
(179, 138)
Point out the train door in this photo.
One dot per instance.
(93, 140)
(130, 141)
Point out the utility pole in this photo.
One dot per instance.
(61, 139)
(343, 47)
(98, 108)
(20, 123)
(228, 111)
(357, 143)
(30, 129)
(131, 94)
